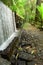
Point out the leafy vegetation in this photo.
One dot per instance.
(40, 9)
(30, 10)
(18, 6)
(26, 10)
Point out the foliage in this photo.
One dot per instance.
(26, 10)
(40, 9)
(30, 10)
(18, 6)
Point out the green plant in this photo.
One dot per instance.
(18, 6)
(40, 9)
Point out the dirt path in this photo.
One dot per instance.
(33, 30)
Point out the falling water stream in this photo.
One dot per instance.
(7, 26)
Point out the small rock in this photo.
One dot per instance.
(20, 62)
(4, 62)
(25, 56)
(31, 63)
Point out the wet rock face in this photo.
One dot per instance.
(4, 62)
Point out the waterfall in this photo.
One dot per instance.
(7, 26)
